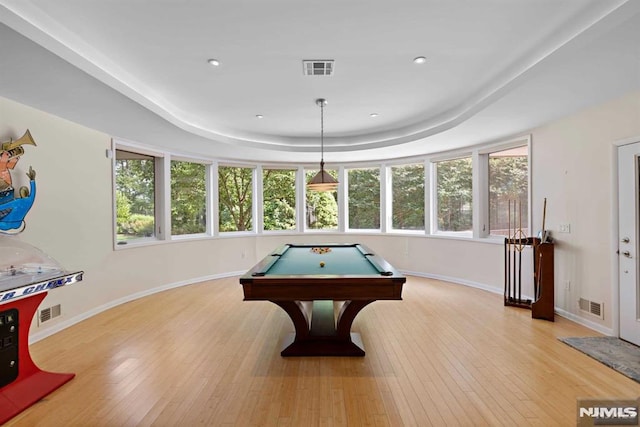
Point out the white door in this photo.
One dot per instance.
(629, 250)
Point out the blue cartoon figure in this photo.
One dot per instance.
(13, 208)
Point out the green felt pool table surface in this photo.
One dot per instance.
(340, 260)
(351, 271)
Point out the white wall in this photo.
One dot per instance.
(572, 168)
(72, 218)
(71, 221)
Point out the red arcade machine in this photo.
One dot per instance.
(26, 276)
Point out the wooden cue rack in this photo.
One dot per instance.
(542, 306)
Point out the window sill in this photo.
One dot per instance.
(467, 237)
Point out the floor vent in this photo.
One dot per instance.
(49, 313)
(318, 67)
(591, 307)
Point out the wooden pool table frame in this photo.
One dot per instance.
(313, 301)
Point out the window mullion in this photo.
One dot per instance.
(428, 214)
(208, 190)
(385, 199)
(214, 199)
(258, 196)
(163, 203)
(343, 200)
(301, 201)
(480, 194)
(433, 185)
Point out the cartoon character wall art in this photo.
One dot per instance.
(14, 207)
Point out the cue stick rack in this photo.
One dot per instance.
(541, 303)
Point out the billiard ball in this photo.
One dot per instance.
(322, 264)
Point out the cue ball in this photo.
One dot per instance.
(322, 264)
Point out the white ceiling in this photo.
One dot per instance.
(138, 70)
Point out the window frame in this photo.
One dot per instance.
(433, 226)
(483, 154)
(209, 167)
(254, 198)
(260, 199)
(160, 175)
(388, 180)
(340, 200)
(381, 198)
(162, 193)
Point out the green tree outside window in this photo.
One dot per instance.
(508, 181)
(364, 198)
(454, 186)
(235, 193)
(188, 198)
(279, 199)
(407, 187)
(135, 195)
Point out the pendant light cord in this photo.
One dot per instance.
(322, 134)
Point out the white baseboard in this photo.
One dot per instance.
(560, 312)
(455, 280)
(37, 336)
(584, 322)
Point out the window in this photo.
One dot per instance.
(321, 206)
(235, 198)
(509, 183)
(279, 199)
(490, 184)
(407, 187)
(454, 211)
(188, 198)
(135, 179)
(364, 198)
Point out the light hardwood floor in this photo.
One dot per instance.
(199, 355)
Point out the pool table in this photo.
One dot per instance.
(322, 288)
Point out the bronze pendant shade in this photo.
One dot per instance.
(322, 181)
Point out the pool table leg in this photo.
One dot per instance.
(347, 315)
(322, 336)
(298, 315)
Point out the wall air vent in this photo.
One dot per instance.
(45, 314)
(591, 307)
(318, 67)
(49, 313)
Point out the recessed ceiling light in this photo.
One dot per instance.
(259, 116)
(213, 62)
(374, 114)
(420, 60)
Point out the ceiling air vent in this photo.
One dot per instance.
(317, 67)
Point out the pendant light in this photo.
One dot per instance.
(322, 181)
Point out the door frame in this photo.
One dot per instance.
(615, 237)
